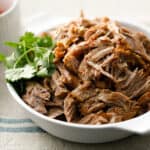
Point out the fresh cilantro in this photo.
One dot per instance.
(2, 58)
(45, 41)
(27, 72)
(32, 56)
(11, 44)
(10, 61)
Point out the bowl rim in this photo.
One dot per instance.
(20, 101)
(9, 10)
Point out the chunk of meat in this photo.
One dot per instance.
(114, 98)
(136, 85)
(100, 54)
(55, 112)
(86, 70)
(70, 109)
(78, 50)
(69, 79)
(94, 32)
(93, 119)
(91, 105)
(135, 42)
(59, 51)
(57, 85)
(117, 114)
(71, 63)
(46, 83)
(102, 84)
(56, 102)
(99, 69)
(84, 91)
(144, 100)
(37, 96)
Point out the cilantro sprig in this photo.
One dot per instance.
(32, 56)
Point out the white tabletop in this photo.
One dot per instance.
(136, 9)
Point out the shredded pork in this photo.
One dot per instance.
(102, 74)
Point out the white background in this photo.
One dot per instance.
(136, 9)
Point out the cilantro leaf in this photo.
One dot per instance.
(29, 39)
(10, 60)
(32, 56)
(27, 72)
(45, 64)
(11, 44)
(2, 58)
(45, 41)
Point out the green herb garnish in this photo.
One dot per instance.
(32, 57)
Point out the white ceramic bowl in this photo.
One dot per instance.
(89, 133)
(10, 23)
